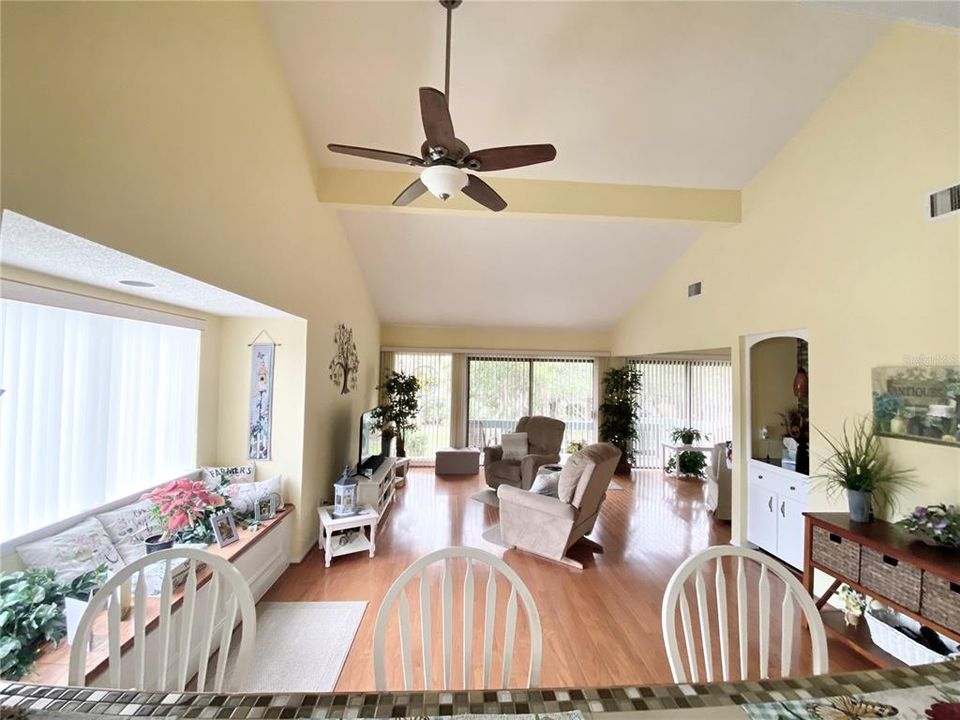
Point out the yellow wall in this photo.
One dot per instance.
(482, 338)
(835, 239)
(165, 130)
(773, 365)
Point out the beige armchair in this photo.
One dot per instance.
(544, 438)
(719, 481)
(549, 526)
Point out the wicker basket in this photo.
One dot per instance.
(890, 640)
(836, 553)
(892, 578)
(941, 601)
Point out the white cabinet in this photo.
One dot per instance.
(776, 501)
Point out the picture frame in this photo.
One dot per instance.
(918, 402)
(224, 528)
(265, 508)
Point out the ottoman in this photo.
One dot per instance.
(462, 461)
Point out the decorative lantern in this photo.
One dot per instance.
(345, 495)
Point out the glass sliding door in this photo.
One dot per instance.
(679, 393)
(435, 373)
(501, 390)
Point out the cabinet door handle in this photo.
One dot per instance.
(793, 487)
(783, 506)
(770, 503)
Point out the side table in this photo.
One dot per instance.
(330, 543)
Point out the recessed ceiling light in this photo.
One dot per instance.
(137, 283)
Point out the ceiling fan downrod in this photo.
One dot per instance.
(449, 6)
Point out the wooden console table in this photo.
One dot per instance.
(888, 564)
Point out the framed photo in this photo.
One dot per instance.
(224, 528)
(264, 508)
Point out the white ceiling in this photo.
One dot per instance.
(32, 245)
(477, 270)
(698, 94)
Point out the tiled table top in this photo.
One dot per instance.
(336, 706)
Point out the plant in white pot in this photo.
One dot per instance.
(860, 466)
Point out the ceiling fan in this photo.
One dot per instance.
(444, 157)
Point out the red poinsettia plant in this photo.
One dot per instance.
(179, 504)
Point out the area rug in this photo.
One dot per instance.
(301, 646)
(492, 535)
(487, 497)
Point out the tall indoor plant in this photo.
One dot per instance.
(860, 466)
(618, 411)
(401, 404)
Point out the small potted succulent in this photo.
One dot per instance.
(178, 506)
(860, 466)
(935, 524)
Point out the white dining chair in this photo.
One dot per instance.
(396, 595)
(794, 594)
(165, 657)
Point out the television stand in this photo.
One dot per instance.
(377, 490)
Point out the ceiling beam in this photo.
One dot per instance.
(378, 188)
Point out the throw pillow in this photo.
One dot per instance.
(545, 483)
(570, 476)
(129, 526)
(74, 551)
(242, 496)
(214, 477)
(514, 446)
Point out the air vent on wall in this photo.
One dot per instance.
(945, 201)
(694, 289)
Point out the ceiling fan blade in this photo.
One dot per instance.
(437, 124)
(484, 194)
(513, 156)
(371, 154)
(410, 193)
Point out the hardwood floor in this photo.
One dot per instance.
(601, 625)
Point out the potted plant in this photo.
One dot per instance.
(860, 466)
(935, 524)
(575, 446)
(618, 411)
(32, 613)
(687, 435)
(885, 408)
(854, 604)
(182, 507)
(688, 462)
(401, 405)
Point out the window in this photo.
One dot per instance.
(94, 408)
(503, 389)
(435, 373)
(693, 393)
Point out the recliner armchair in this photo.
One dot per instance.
(549, 526)
(544, 438)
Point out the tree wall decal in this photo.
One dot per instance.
(345, 362)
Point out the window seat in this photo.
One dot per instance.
(260, 555)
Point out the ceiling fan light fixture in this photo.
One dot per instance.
(444, 181)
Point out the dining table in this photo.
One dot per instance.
(927, 692)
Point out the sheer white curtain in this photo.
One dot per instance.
(94, 408)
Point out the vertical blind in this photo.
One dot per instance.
(435, 373)
(682, 393)
(94, 408)
(503, 389)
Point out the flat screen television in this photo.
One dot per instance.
(370, 449)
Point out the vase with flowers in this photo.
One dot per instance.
(935, 524)
(181, 508)
(853, 605)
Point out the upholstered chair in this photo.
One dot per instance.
(544, 438)
(549, 526)
(719, 482)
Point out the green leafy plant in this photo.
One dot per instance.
(691, 463)
(32, 613)
(574, 446)
(621, 392)
(687, 435)
(885, 408)
(858, 461)
(397, 413)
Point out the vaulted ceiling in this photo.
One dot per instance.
(683, 94)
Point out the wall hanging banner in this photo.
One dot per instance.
(261, 401)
